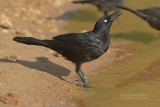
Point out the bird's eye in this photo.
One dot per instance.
(105, 21)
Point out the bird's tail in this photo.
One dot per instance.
(31, 41)
(138, 13)
(83, 1)
(126, 8)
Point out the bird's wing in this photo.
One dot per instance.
(68, 43)
(70, 38)
(73, 44)
(154, 11)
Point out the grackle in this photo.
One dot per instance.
(151, 15)
(79, 47)
(102, 5)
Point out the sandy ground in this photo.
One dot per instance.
(32, 76)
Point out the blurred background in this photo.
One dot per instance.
(127, 75)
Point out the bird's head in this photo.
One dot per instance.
(105, 22)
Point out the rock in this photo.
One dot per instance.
(12, 58)
(11, 99)
(21, 32)
(5, 21)
(4, 31)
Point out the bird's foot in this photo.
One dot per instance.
(87, 86)
(80, 85)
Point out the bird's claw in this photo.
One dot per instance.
(87, 86)
(80, 85)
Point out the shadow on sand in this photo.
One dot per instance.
(45, 65)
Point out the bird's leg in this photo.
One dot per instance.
(82, 75)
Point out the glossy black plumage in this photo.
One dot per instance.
(102, 5)
(79, 47)
(151, 15)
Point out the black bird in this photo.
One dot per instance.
(151, 15)
(103, 5)
(79, 47)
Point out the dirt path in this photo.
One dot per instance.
(32, 76)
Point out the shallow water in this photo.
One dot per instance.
(134, 79)
(131, 81)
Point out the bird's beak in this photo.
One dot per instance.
(115, 15)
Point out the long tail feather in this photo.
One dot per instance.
(31, 41)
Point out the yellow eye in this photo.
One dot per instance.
(105, 21)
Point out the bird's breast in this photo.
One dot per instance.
(98, 49)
